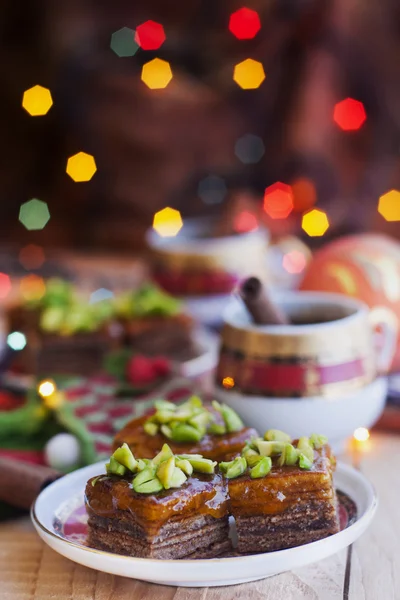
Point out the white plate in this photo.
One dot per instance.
(66, 494)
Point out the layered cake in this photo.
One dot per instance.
(169, 507)
(281, 492)
(214, 431)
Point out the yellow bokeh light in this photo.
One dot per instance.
(156, 74)
(54, 400)
(81, 166)
(389, 205)
(361, 434)
(167, 222)
(32, 287)
(37, 101)
(46, 388)
(249, 74)
(228, 382)
(315, 222)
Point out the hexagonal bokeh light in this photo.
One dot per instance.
(156, 74)
(244, 23)
(245, 221)
(32, 287)
(249, 148)
(389, 205)
(5, 285)
(315, 222)
(278, 200)
(304, 194)
(294, 262)
(16, 340)
(349, 114)
(249, 74)
(34, 214)
(37, 101)
(123, 42)
(150, 35)
(212, 189)
(167, 222)
(81, 167)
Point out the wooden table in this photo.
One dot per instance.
(369, 570)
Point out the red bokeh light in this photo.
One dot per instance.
(5, 285)
(294, 262)
(349, 114)
(244, 23)
(245, 221)
(304, 194)
(278, 200)
(150, 35)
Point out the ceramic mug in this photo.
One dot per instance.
(332, 347)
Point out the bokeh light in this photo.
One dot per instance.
(361, 434)
(244, 23)
(389, 205)
(32, 287)
(101, 294)
(349, 114)
(123, 42)
(5, 285)
(81, 167)
(304, 194)
(212, 189)
(315, 222)
(150, 35)
(16, 340)
(294, 262)
(46, 388)
(31, 256)
(37, 101)
(249, 74)
(245, 221)
(249, 148)
(228, 382)
(34, 214)
(278, 200)
(167, 222)
(156, 74)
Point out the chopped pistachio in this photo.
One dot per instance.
(200, 421)
(165, 471)
(165, 416)
(252, 457)
(281, 459)
(148, 487)
(202, 465)
(146, 475)
(114, 468)
(304, 446)
(291, 455)
(164, 454)
(189, 456)
(232, 420)
(167, 431)
(150, 428)
(124, 456)
(217, 429)
(164, 405)
(237, 468)
(185, 433)
(275, 435)
(317, 440)
(185, 465)
(178, 478)
(262, 468)
(143, 463)
(270, 448)
(304, 462)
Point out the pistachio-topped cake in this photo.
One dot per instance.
(281, 492)
(214, 430)
(173, 506)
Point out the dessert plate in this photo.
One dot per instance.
(60, 519)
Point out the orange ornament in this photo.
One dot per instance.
(365, 266)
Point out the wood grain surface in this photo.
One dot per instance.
(369, 570)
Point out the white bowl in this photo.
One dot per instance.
(337, 418)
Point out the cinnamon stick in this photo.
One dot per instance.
(21, 482)
(259, 304)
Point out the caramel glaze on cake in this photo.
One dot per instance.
(215, 447)
(188, 522)
(288, 507)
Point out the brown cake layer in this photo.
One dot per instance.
(186, 522)
(215, 447)
(288, 507)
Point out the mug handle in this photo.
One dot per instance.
(383, 317)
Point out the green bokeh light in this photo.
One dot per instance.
(34, 214)
(123, 42)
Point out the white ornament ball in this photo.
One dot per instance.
(62, 452)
